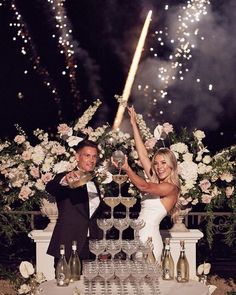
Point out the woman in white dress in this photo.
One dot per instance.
(161, 191)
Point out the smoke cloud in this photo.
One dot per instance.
(213, 63)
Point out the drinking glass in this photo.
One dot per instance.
(153, 273)
(112, 202)
(105, 224)
(118, 157)
(90, 271)
(106, 271)
(119, 179)
(128, 202)
(136, 225)
(122, 271)
(121, 224)
(138, 272)
(113, 247)
(129, 247)
(97, 247)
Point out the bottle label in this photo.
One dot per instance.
(74, 247)
(62, 252)
(179, 277)
(61, 279)
(166, 273)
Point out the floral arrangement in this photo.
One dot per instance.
(25, 169)
(30, 282)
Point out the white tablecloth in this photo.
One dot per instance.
(165, 287)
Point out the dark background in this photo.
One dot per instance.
(104, 36)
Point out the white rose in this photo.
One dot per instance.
(61, 166)
(194, 202)
(206, 160)
(24, 289)
(38, 155)
(199, 134)
(188, 157)
(179, 147)
(228, 177)
(26, 269)
(188, 170)
(206, 199)
(40, 185)
(202, 168)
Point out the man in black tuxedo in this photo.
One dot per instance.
(78, 208)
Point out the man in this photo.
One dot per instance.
(78, 208)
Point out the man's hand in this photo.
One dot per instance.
(71, 179)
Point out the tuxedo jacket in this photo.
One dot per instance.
(73, 217)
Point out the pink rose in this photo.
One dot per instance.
(46, 177)
(206, 199)
(87, 130)
(205, 185)
(167, 128)
(25, 192)
(34, 171)
(150, 143)
(26, 155)
(19, 139)
(64, 129)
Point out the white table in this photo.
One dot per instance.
(166, 288)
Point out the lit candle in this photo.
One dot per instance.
(132, 72)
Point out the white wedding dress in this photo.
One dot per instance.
(152, 212)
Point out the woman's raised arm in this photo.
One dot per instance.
(141, 149)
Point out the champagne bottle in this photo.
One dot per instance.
(150, 257)
(62, 269)
(74, 264)
(167, 263)
(182, 267)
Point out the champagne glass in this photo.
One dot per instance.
(129, 247)
(90, 271)
(119, 158)
(121, 224)
(122, 271)
(104, 224)
(136, 225)
(97, 247)
(119, 179)
(112, 202)
(113, 247)
(106, 271)
(138, 272)
(128, 202)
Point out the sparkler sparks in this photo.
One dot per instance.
(27, 49)
(183, 39)
(66, 44)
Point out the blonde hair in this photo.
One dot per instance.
(171, 161)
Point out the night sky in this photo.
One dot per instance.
(41, 86)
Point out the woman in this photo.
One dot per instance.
(161, 191)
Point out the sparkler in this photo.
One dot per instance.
(132, 72)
